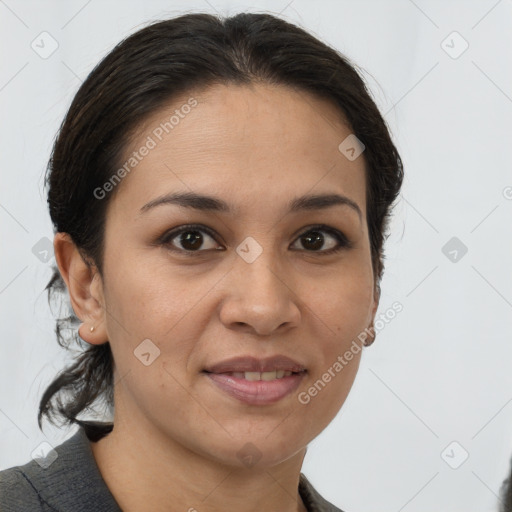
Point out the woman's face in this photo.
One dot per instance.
(255, 278)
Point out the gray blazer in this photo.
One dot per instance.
(73, 483)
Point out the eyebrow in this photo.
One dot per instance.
(212, 204)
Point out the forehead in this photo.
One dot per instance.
(253, 143)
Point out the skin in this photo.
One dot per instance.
(177, 436)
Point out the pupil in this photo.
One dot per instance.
(316, 239)
(192, 238)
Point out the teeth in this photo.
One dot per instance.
(276, 374)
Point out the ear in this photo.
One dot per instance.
(85, 288)
(376, 300)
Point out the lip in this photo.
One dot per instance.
(256, 392)
(254, 364)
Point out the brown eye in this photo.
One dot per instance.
(192, 239)
(314, 240)
(189, 239)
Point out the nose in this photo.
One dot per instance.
(259, 298)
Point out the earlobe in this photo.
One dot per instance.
(84, 287)
(91, 335)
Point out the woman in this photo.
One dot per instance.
(220, 191)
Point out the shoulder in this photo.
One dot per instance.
(313, 501)
(67, 479)
(17, 494)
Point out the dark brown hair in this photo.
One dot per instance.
(138, 77)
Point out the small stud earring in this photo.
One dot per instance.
(92, 328)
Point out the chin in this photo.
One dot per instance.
(256, 451)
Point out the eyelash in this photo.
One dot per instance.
(167, 237)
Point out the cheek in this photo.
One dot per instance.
(152, 311)
(341, 309)
(341, 313)
(147, 300)
(342, 305)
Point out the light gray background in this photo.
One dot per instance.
(440, 371)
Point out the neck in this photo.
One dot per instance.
(145, 470)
